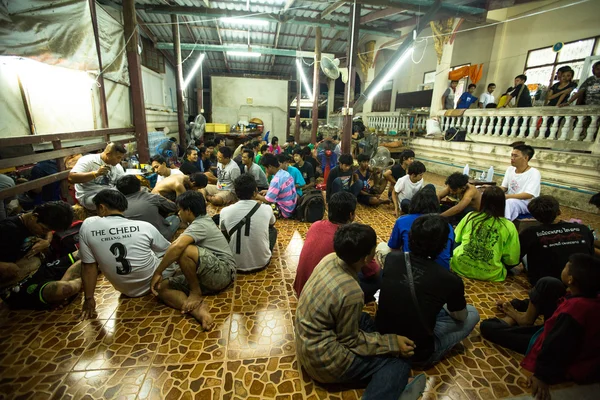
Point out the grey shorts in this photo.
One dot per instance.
(213, 274)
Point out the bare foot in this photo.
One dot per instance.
(518, 317)
(518, 270)
(509, 321)
(202, 314)
(500, 304)
(193, 302)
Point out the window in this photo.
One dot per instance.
(383, 100)
(542, 64)
(151, 57)
(428, 81)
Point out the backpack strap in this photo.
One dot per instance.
(411, 285)
(238, 227)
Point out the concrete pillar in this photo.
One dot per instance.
(441, 77)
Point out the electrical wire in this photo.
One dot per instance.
(100, 73)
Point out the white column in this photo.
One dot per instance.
(441, 77)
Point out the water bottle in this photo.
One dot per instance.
(466, 170)
(482, 176)
(490, 174)
(134, 162)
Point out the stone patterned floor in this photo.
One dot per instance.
(141, 349)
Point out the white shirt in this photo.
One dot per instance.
(174, 171)
(226, 174)
(254, 249)
(127, 251)
(91, 163)
(486, 99)
(527, 182)
(406, 189)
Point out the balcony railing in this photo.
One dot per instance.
(399, 120)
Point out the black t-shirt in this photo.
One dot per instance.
(434, 286)
(338, 173)
(525, 99)
(397, 171)
(556, 90)
(313, 161)
(13, 233)
(188, 167)
(548, 247)
(307, 171)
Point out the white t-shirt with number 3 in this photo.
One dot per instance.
(127, 251)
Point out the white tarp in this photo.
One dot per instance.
(60, 33)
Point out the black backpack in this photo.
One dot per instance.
(311, 206)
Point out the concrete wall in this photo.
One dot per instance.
(269, 102)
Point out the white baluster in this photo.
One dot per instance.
(564, 133)
(591, 129)
(464, 123)
(543, 128)
(497, 124)
(505, 127)
(514, 127)
(554, 128)
(578, 128)
(532, 128)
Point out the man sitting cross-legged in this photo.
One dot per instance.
(249, 226)
(204, 257)
(176, 185)
(335, 340)
(469, 198)
(126, 251)
(222, 193)
(521, 182)
(319, 243)
(25, 280)
(567, 347)
(282, 191)
(421, 299)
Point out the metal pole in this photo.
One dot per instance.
(135, 79)
(200, 91)
(315, 108)
(349, 92)
(103, 108)
(179, 81)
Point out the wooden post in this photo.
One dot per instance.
(179, 80)
(287, 116)
(103, 108)
(349, 92)
(298, 108)
(135, 78)
(316, 91)
(32, 130)
(200, 91)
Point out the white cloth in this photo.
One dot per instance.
(406, 189)
(258, 174)
(84, 192)
(486, 99)
(526, 182)
(254, 249)
(226, 174)
(127, 252)
(174, 171)
(514, 208)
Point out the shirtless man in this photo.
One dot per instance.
(458, 186)
(175, 185)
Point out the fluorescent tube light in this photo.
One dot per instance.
(244, 54)
(193, 71)
(244, 21)
(390, 73)
(304, 80)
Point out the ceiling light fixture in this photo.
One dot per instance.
(389, 74)
(244, 21)
(193, 71)
(244, 54)
(304, 80)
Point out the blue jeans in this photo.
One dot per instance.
(388, 374)
(337, 186)
(174, 222)
(448, 333)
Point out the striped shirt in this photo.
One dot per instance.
(283, 193)
(328, 337)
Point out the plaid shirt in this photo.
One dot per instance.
(327, 323)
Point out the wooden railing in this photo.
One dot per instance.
(569, 128)
(56, 139)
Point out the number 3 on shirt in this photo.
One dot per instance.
(120, 252)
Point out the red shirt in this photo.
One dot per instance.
(319, 243)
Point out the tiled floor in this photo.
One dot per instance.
(139, 348)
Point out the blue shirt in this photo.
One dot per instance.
(298, 178)
(399, 239)
(465, 101)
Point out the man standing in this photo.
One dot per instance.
(305, 168)
(249, 226)
(521, 92)
(227, 172)
(149, 207)
(488, 97)
(282, 191)
(448, 96)
(521, 182)
(159, 166)
(254, 170)
(189, 166)
(96, 172)
(467, 98)
(589, 89)
(205, 259)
